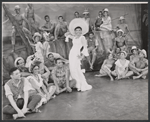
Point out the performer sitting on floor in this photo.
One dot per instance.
(106, 67)
(61, 77)
(121, 68)
(21, 101)
(140, 65)
(37, 83)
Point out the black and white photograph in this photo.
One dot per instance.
(74, 61)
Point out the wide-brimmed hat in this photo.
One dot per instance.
(134, 48)
(144, 52)
(37, 34)
(78, 22)
(106, 9)
(120, 30)
(86, 11)
(16, 60)
(17, 7)
(124, 53)
(121, 18)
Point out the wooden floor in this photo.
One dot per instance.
(118, 100)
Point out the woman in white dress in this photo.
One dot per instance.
(105, 33)
(78, 27)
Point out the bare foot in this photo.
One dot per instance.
(135, 77)
(144, 77)
(91, 67)
(111, 79)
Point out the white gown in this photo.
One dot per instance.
(75, 63)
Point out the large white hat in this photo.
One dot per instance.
(121, 18)
(16, 60)
(37, 34)
(144, 52)
(78, 22)
(120, 30)
(106, 9)
(17, 7)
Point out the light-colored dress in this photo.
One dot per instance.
(39, 51)
(75, 63)
(105, 34)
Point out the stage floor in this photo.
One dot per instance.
(118, 100)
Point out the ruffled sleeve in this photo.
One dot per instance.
(84, 44)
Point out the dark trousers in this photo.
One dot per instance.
(32, 102)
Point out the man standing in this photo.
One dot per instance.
(16, 90)
(29, 13)
(19, 18)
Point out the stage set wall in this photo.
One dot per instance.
(131, 12)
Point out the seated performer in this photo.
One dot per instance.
(134, 51)
(21, 101)
(20, 64)
(92, 48)
(61, 28)
(37, 83)
(122, 25)
(140, 65)
(19, 18)
(48, 27)
(39, 51)
(51, 60)
(120, 41)
(106, 67)
(61, 77)
(122, 65)
(98, 21)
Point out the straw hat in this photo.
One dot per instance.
(37, 34)
(144, 52)
(106, 9)
(120, 30)
(124, 53)
(121, 18)
(86, 11)
(133, 48)
(16, 60)
(17, 7)
(78, 22)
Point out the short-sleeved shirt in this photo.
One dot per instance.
(8, 90)
(61, 73)
(121, 68)
(38, 83)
